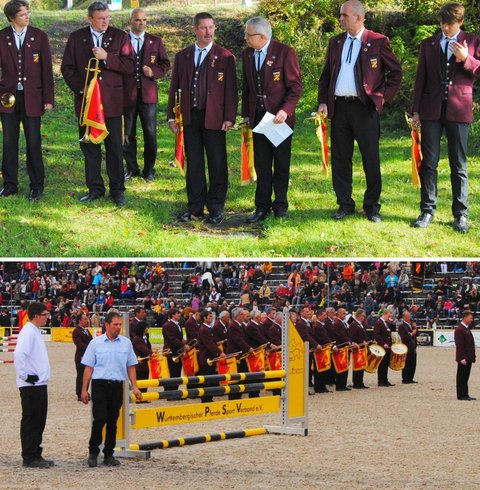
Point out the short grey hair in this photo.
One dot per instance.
(236, 312)
(261, 26)
(223, 314)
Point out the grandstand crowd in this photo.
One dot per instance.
(70, 288)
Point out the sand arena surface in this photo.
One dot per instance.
(407, 436)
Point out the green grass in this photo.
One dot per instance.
(59, 226)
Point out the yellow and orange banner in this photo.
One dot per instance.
(179, 158)
(416, 133)
(93, 117)
(247, 169)
(190, 362)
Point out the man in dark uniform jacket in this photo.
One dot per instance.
(341, 336)
(205, 74)
(464, 355)
(220, 329)
(139, 315)
(275, 329)
(268, 322)
(304, 329)
(271, 83)
(383, 337)
(173, 340)
(361, 74)
(192, 326)
(329, 321)
(237, 342)
(358, 335)
(208, 349)
(24, 50)
(254, 332)
(408, 334)
(321, 336)
(141, 95)
(111, 46)
(81, 337)
(447, 66)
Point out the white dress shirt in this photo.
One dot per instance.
(345, 86)
(31, 357)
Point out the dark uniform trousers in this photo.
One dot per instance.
(113, 158)
(34, 416)
(148, 120)
(382, 372)
(198, 141)
(79, 379)
(205, 370)
(11, 133)
(175, 369)
(457, 136)
(107, 399)
(463, 374)
(267, 179)
(352, 121)
(357, 378)
(408, 372)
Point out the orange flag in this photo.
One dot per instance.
(417, 157)
(247, 171)
(93, 116)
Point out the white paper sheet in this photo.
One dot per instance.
(276, 133)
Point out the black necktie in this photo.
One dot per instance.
(350, 49)
(138, 44)
(19, 39)
(448, 39)
(98, 38)
(199, 57)
(258, 53)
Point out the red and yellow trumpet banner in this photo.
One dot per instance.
(93, 117)
(227, 366)
(416, 133)
(256, 361)
(247, 170)
(190, 362)
(359, 358)
(179, 158)
(321, 121)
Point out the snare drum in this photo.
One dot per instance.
(398, 356)
(374, 357)
(341, 360)
(359, 358)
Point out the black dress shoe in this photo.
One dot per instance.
(91, 196)
(460, 224)
(464, 398)
(129, 174)
(343, 389)
(214, 219)
(281, 215)
(342, 213)
(150, 177)
(471, 397)
(257, 216)
(385, 384)
(36, 463)
(188, 216)
(361, 387)
(35, 195)
(7, 192)
(111, 461)
(374, 217)
(119, 199)
(323, 391)
(92, 460)
(423, 220)
(48, 461)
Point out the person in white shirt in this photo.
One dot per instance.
(33, 374)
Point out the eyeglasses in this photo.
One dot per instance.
(247, 35)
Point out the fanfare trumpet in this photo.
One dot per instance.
(155, 353)
(255, 351)
(7, 99)
(219, 358)
(182, 351)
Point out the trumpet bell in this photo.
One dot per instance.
(7, 100)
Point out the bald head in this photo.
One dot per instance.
(138, 21)
(352, 16)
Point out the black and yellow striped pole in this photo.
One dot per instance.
(188, 441)
(209, 391)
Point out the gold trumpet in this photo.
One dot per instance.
(92, 67)
(228, 356)
(155, 353)
(182, 351)
(255, 351)
(7, 100)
